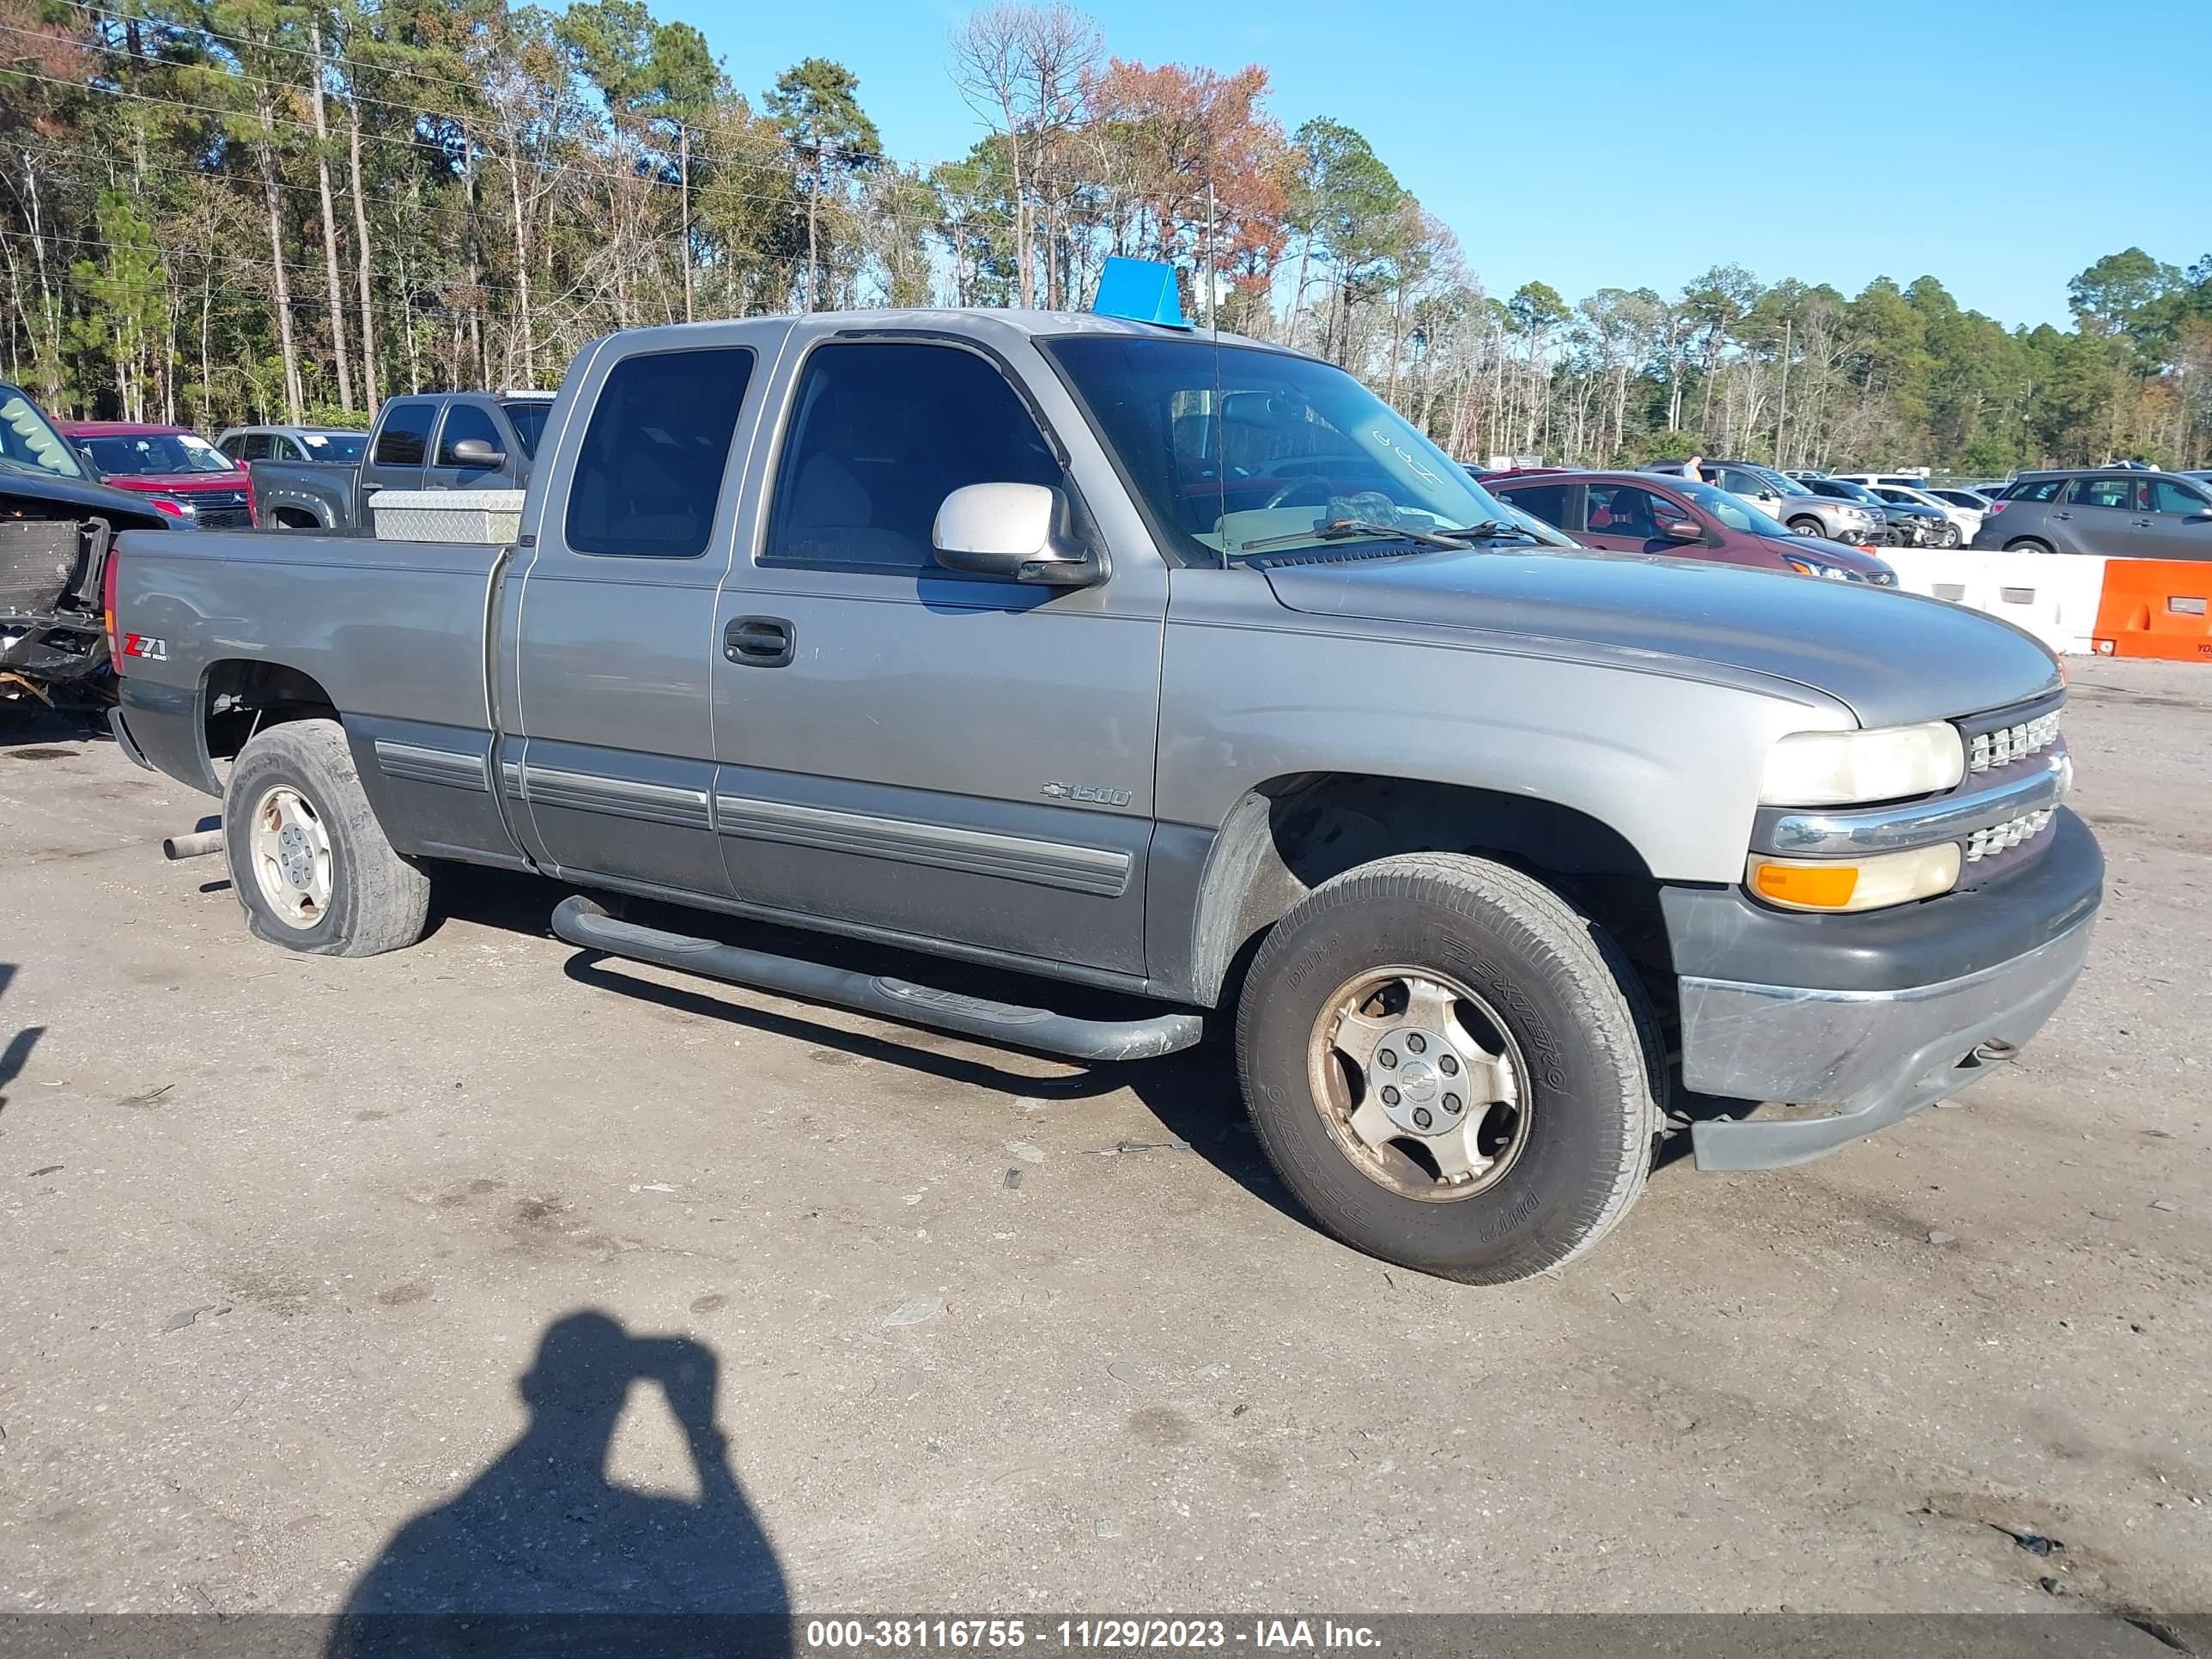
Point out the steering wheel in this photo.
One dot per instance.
(1321, 496)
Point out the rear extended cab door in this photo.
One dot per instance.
(397, 451)
(602, 657)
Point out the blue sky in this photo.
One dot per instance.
(1998, 145)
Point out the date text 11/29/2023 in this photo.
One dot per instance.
(989, 1636)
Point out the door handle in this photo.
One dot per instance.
(758, 642)
(2061, 515)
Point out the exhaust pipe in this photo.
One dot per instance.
(197, 845)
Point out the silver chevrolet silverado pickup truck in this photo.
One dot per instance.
(1182, 667)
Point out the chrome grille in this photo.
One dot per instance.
(2010, 743)
(2003, 837)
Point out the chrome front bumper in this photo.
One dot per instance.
(1874, 1056)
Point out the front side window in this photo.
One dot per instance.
(1626, 510)
(1238, 452)
(881, 432)
(405, 438)
(2166, 497)
(463, 422)
(650, 471)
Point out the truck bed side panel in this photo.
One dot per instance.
(393, 632)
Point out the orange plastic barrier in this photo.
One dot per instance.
(2155, 608)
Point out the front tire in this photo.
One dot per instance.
(1811, 527)
(1450, 1068)
(308, 860)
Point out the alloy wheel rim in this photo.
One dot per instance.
(291, 851)
(1420, 1082)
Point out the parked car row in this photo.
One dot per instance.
(1669, 514)
(320, 480)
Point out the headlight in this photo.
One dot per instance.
(1870, 883)
(1815, 567)
(1835, 769)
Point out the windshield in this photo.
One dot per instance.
(1732, 511)
(29, 441)
(1236, 451)
(1850, 491)
(129, 455)
(529, 421)
(344, 447)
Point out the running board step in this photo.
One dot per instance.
(582, 922)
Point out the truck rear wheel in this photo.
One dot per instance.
(1450, 1068)
(308, 860)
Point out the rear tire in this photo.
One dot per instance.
(1811, 527)
(308, 860)
(1561, 1079)
(2029, 544)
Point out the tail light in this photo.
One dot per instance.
(1996, 508)
(108, 609)
(251, 518)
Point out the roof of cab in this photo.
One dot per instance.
(987, 325)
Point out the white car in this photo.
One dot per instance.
(1911, 488)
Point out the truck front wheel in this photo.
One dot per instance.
(1450, 1067)
(307, 858)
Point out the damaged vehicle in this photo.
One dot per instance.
(56, 526)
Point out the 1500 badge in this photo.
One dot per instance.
(1091, 794)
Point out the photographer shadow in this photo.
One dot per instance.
(543, 1554)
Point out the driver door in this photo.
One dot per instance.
(910, 750)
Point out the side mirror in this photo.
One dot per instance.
(1011, 531)
(1683, 530)
(2202, 515)
(475, 451)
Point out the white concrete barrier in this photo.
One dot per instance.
(2052, 595)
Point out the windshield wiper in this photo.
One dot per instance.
(1488, 530)
(1339, 530)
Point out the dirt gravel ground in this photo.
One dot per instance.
(281, 1238)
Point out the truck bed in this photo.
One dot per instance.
(391, 631)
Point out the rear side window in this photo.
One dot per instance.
(2042, 489)
(650, 471)
(405, 437)
(464, 421)
(1547, 501)
(2104, 492)
(527, 417)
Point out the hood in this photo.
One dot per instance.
(179, 483)
(120, 508)
(1828, 552)
(1892, 657)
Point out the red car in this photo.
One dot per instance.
(1654, 513)
(187, 476)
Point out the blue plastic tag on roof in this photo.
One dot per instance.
(1143, 291)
